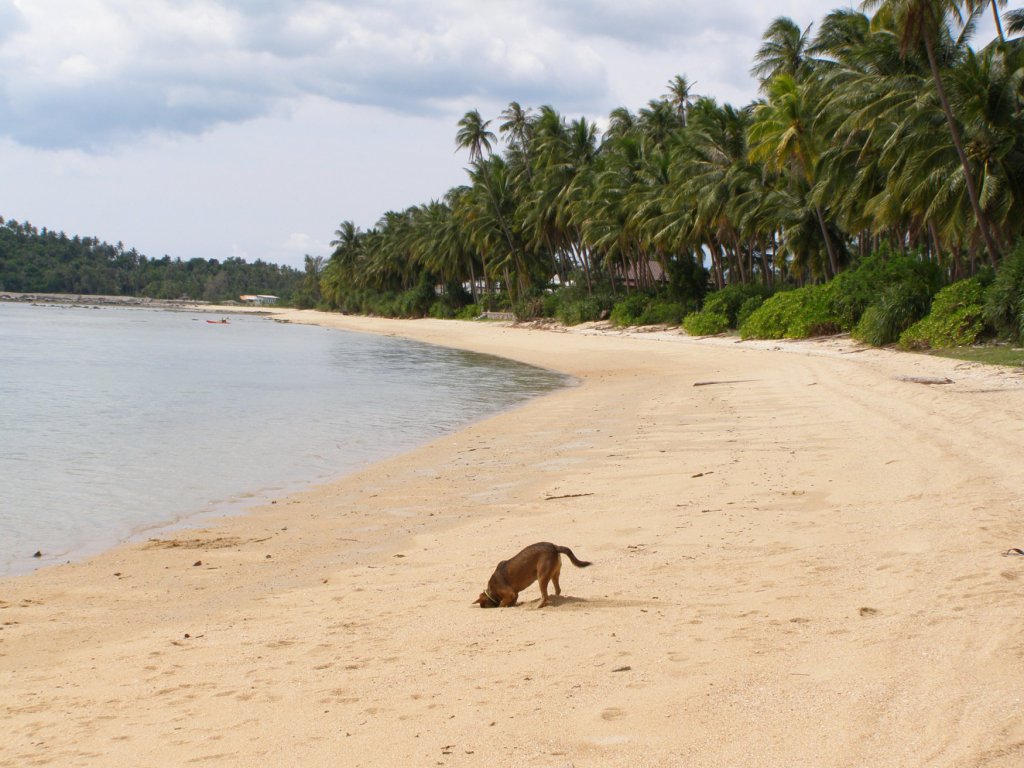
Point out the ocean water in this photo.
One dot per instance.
(116, 422)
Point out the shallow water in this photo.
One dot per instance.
(115, 422)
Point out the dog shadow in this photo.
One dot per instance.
(560, 601)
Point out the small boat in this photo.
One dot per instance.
(222, 321)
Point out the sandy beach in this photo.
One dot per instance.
(798, 561)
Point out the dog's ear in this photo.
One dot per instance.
(481, 601)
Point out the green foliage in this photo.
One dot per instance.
(496, 302)
(628, 311)
(530, 307)
(417, 301)
(897, 308)
(798, 314)
(853, 291)
(663, 312)
(748, 308)
(687, 281)
(572, 305)
(43, 261)
(584, 310)
(1004, 299)
(705, 323)
(728, 300)
(956, 318)
(469, 312)
(722, 309)
(642, 309)
(450, 303)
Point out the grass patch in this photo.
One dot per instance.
(996, 354)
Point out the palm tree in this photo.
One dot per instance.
(1015, 21)
(679, 96)
(474, 136)
(923, 23)
(518, 123)
(784, 50)
(783, 137)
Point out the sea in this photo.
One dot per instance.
(117, 423)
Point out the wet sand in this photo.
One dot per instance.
(797, 563)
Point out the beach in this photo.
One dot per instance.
(799, 560)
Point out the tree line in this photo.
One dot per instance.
(36, 260)
(880, 131)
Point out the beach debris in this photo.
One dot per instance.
(567, 496)
(622, 669)
(38, 553)
(868, 611)
(732, 381)
(197, 563)
(1014, 552)
(924, 379)
(701, 474)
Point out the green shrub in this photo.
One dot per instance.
(529, 307)
(897, 308)
(731, 298)
(629, 310)
(956, 318)
(496, 302)
(663, 312)
(469, 312)
(1004, 299)
(584, 310)
(572, 305)
(705, 323)
(748, 308)
(797, 314)
(853, 291)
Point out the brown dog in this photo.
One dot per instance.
(540, 562)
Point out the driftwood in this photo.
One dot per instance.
(567, 496)
(710, 383)
(924, 379)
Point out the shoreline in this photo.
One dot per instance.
(799, 559)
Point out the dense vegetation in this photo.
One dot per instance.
(883, 160)
(41, 261)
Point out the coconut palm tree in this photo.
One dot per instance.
(474, 136)
(783, 137)
(783, 51)
(923, 23)
(680, 94)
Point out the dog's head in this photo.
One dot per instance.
(485, 600)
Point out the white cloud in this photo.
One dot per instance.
(90, 73)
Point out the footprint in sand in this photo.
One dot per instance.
(613, 713)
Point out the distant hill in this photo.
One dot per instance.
(39, 260)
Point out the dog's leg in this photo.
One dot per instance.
(554, 576)
(543, 581)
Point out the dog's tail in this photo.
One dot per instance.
(575, 561)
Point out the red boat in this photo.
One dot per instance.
(218, 322)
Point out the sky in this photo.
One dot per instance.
(253, 128)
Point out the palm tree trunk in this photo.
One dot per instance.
(832, 260)
(954, 131)
(999, 23)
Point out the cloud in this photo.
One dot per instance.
(93, 73)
